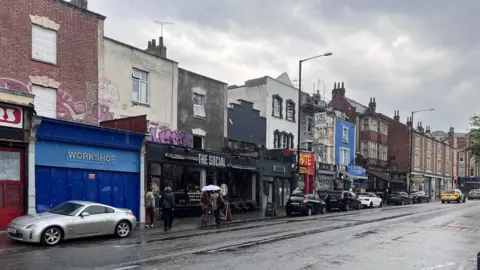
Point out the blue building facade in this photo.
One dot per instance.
(82, 162)
(350, 175)
(344, 143)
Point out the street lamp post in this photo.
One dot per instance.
(410, 150)
(300, 103)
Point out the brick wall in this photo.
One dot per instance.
(398, 144)
(77, 54)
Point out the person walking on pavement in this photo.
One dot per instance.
(150, 208)
(216, 202)
(168, 205)
(205, 204)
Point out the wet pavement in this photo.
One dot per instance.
(426, 236)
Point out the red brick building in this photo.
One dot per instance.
(372, 134)
(50, 49)
(431, 157)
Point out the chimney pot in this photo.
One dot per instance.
(160, 41)
(154, 43)
(343, 87)
(334, 85)
(149, 44)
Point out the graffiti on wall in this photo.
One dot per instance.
(70, 109)
(168, 136)
(15, 85)
(108, 96)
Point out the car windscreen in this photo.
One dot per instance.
(66, 208)
(363, 195)
(297, 198)
(449, 191)
(337, 195)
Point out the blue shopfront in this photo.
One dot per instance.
(82, 162)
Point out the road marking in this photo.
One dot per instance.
(127, 267)
(439, 266)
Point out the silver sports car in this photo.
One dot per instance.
(70, 220)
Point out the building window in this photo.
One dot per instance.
(462, 156)
(429, 162)
(365, 151)
(417, 140)
(290, 110)
(383, 152)
(197, 142)
(345, 135)
(277, 106)
(417, 158)
(310, 125)
(384, 128)
(45, 101)
(291, 141)
(44, 44)
(276, 139)
(309, 146)
(374, 125)
(472, 171)
(140, 86)
(366, 124)
(439, 165)
(285, 141)
(199, 105)
(344, 156)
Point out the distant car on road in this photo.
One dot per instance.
(342, 200)
(71, 220)
(420, 197)
(369, 199)
(474, 194)
(306, 204)
(453, 195)
(399, 198)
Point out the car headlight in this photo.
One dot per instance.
(31, 226)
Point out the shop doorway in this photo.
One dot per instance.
(12, 195)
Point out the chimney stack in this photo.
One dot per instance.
(158, 50)
(372, 105)
(396, 116)
(427, 129)
(80, 3)
(420, 127)
(338, 90)
(409, 122)
(451, 132)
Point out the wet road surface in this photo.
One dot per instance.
(426, 236)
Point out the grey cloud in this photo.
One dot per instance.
(298, 29)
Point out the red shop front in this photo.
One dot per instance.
(307, 171)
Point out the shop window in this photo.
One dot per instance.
(156, 174)
(197, 142)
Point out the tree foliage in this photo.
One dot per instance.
(474, 136)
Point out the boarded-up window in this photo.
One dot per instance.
(44, 44)
(45, 101)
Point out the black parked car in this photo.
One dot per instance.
(306, 204)
(399, 198)
(419, 197)
(342, 200)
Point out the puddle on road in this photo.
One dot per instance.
(366, 233)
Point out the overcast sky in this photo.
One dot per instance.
(410, 55)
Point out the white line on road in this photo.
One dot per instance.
(127, 267)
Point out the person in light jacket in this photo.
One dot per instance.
(168, 206)
(150, 208)
(216, 202)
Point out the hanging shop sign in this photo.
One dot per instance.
(11, 116)
(211, 160)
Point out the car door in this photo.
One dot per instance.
(354, 202)
(375, 199)
(96, 223)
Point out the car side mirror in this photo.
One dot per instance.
(85, 214)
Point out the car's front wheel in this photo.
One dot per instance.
(123, 229)
(380, 205)
(51, 236)
(323, 211)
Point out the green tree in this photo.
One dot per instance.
(474, 136)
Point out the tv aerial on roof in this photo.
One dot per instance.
(162, 24)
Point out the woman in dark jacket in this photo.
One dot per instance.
(168, 205)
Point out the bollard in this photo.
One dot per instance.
(478, 261)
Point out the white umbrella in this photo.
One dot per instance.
(210, 188)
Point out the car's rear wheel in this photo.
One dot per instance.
(123, 229)
(380, 205)
(323, 211)
(309, 211)
(347, 207)
(403, 202)
(51, 236)
(443, 201)
(371, 205)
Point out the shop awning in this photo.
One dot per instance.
(385, 177)
(354, 177)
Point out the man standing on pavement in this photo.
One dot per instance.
(168, 204)
(216, 202)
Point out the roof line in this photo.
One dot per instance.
(137, 49)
